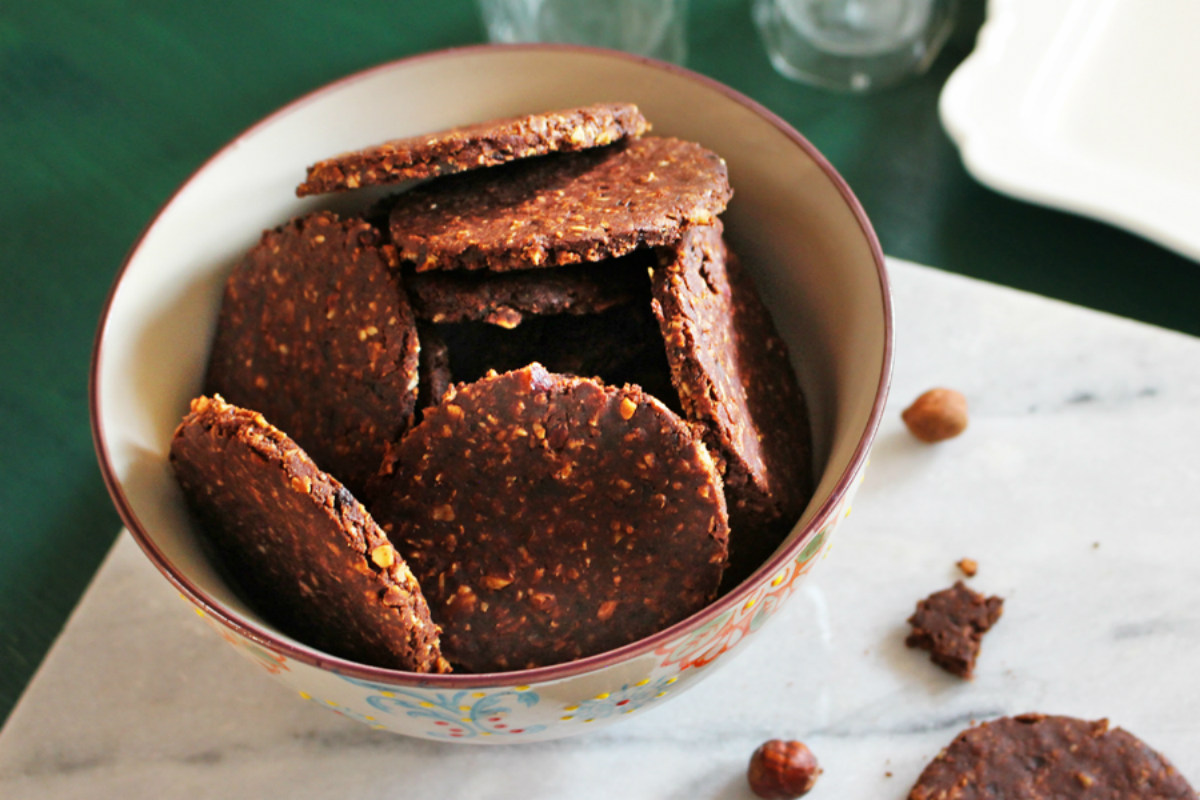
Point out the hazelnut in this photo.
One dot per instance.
(782, 770)
(936, 415)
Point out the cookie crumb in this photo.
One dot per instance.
(968, 567)
(950, 624)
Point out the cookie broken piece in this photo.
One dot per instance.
(561, 209)
(298, 545)
(950, 624)
(550, 518)
(505, 299)
(734, 378)
(483, 144)
(1035, 756)
(316, 333)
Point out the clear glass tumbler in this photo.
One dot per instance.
(853, 45)
(653, 28)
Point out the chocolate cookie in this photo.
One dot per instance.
(734, 378)
(1036, 756)
(505, 299)
(561, 209)
(550, 518)
(315, 332)
(950, 624)
(297, 544)
(484, 144)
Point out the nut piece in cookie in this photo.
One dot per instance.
(316, 333)
(561, 209)
(505, 299)
(550, 518)
(1034, 756)
(297, 544)
(734, 378)
(483, 144)
(950, 624)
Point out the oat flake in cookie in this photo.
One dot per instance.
(298, 545)
(315, 332)
(561, 209)
(550, 517)
(734, 378)
(1035, 756)
(484, 144)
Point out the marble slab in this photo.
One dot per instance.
(1074, 488)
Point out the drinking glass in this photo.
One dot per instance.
(853, 45)
(653, 28)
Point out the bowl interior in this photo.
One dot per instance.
(795, 225)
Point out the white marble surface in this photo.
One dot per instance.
(1074, 488)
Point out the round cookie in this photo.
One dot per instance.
(298, 545)
(316, 333)
(1034, 756)
(561, 209)
(550, 517)
(484, 144)
(505, 299)
(734, 378)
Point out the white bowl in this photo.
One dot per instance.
(793, 220)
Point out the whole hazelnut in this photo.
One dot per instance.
(936, 415)
(782, 770)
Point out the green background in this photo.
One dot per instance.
(106, 107)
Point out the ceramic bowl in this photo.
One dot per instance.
(794, 221)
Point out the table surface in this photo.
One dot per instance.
(1065, 489)
(106, 107)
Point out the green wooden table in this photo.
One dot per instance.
(106, 107)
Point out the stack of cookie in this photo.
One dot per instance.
(543, 372)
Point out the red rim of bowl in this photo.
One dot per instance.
(321, 660)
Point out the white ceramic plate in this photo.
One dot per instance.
(1090, 106)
